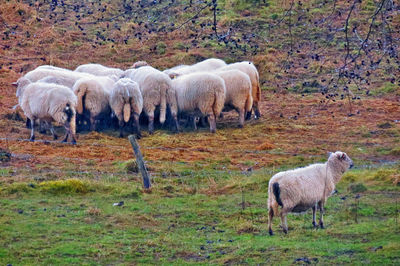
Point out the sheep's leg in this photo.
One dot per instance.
(241, 118)
(121, 124)
(284, 213)
(321, 211)
(314, 214)
(92, 124)
(137, 125)
(176, 123)
(66, 135)
(213, 123)
(42, 126)
(256, 111)
(150, 115)
(248, 115)
(28, 123)
(270, 216)
(53, 132)
(32, 129)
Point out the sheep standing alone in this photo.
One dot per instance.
(50, 102)
(156, 90)
(238, 92)
(126, 100)
(200, 94)
(93, 98)
(251, 70)
(206, 65)
(99, 70)
(304, 188)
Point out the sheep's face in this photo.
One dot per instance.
(341, 160)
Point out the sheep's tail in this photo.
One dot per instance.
(219, 101)
(249, 103)
(127, 112)
(80, 95)
(277, 193)
(163, 104)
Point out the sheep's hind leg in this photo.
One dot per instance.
(284, 213)
(314, 212)
(137, 125)
(32, 138)
(121, 128)
(241, 118)
(321, 211)
(270, 217)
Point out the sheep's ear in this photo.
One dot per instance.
(343, 156)
(329, 154)
(15, 84)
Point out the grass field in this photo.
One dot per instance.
(208, 200)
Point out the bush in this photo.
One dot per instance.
(65, 186)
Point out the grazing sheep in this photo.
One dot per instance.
(68, 76)
(301, 189)
(126, 100)
(238, 92)
(140, 64)
(51, 67)
(99, 70)
(251, 70)
(68, 82)
(200, 94)
(93, 98)
(50, 102)
(206, 65)
(156, 90)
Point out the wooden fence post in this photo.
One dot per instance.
(140, 162)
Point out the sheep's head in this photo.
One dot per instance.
(341, 160)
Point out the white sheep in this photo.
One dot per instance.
(238, 92)
(301, 189)
(156, 90)
(99, 70)
(68, 76)
(251, 70)
(206, 65)
(93, 98)
(50, 102)
(200, 94)
(126, 100)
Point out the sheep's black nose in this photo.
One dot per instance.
(351, 165)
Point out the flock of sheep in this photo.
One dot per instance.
(93, 93)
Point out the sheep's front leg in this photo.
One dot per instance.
(32, 129)
(151, 121)
(314, 214)
(213, 123)
(257, 113)
(321, 211)
(270, 217)
(53, 132)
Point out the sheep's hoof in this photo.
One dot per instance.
(73, 141)
(314, 224)
(32, 138)
(55, 137)
(270, 232)
(248, 116)
(322, 225)
(138, 136)
(240, 126)
(121, 135)
(285, 230)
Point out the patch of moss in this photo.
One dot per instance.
(68, 186)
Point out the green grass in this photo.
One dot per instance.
(194, 219)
